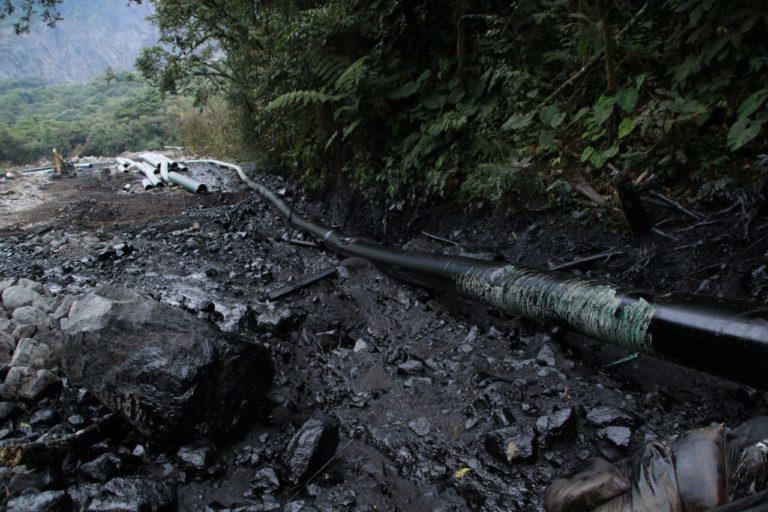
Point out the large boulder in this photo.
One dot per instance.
(173, 376)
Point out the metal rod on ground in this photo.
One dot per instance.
(723, 337)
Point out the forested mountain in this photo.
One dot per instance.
(105, 116)
(91, 36)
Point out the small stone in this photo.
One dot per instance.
(410, 367)
(420, 426)
(516, 443)
(360, 346)
(546, 356)
(275, 321)
(18, 297)
(32, 315)
(605, 415)
(309, 448)
(195, 458)
(559, 423)
(135, 494)
(42, 383)
(265, 480)
(33, 354)
(102, 468)
(8, 410)
(619, 436)
(43, 417)
(82, 495)
(48, 501)
(465, 348)
(64, 307)
(32, 285)
(76, 420)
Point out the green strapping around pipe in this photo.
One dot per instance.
(589, 307)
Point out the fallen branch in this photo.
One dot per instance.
(301, 283)
(586, 259)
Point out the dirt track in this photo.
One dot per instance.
(433, 374)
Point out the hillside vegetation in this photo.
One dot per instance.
(478, 100)
(106, 116)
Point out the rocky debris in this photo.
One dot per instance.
(171, 375)
(43, 417)
(560, 423)
(411, 367)
(516, 443)
(310, 447)
(545, 355)
(265, 480)
(276, 321)
(48, 501)
(8, 410)
(27, 384)
(619, 436)
(605, 415)
(33, 354)
(420, 426)
(102, 468)
(196, 459)
(135, 494)
(15, 297)
(32, 285)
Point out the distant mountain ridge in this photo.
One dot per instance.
(94, 35)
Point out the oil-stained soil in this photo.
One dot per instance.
(416, 380)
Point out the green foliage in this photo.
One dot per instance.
(428, 99)
(97, 118)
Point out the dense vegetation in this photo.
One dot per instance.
(442, 98)
(106, 116)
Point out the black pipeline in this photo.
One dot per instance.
(722, 337)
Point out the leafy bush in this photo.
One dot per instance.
(427, 99)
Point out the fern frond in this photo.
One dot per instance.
(297, 99)
(351, 78)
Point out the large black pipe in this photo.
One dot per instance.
(722, 337)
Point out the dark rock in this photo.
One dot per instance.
(34, 354)
(560, 422)
(276, 321)
(172, 376)
(48, 501)
(546, 355)
(39, 384)
(516, 443)
(135, 495)
(8, 410)
(82, 495)
(265, 480)
(420, 426)
(102, 468)
(309, 448)
(43, 417)
(604, 415)
(619, 436)
(410, 367)
(195, 458)
(29, 479)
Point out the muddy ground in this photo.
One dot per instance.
(415, 379)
